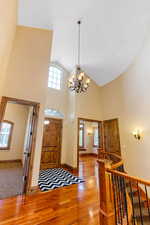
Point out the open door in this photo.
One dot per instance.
(23, 114)
(111, 136)
(28, 147)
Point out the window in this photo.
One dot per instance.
(53, 113)
(96, 137)
(55, 75)
(5, 135)
(81, 135)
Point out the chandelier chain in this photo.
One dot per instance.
(79, 82)
(79, 40)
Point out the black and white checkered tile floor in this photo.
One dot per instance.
(54, 178)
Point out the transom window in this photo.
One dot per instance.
(55, 75)
(5, 135)
(53, 113)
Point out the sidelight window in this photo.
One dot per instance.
(96, 137)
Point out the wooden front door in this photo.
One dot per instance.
(51, 147)
(111, 136)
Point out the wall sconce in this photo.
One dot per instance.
(137, 134)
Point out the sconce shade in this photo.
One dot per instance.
(137, 134)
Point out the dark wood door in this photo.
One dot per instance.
(111, 136)
(51, 147)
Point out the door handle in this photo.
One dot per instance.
(27, 154)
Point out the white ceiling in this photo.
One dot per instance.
(113, 32)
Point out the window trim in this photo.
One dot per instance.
(10, 135)
(62, 71)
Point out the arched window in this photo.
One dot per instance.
(53, 113)
(55, 76)
(6, 134)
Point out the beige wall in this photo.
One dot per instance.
(8, 12)
(18, 115)
(26, 78)
(86, 105)
(27, 75)
(128, 98)
(71, 129)
(72, 106)
(58, 100)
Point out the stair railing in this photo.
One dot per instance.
(124, 199)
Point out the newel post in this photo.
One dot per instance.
(106, 197)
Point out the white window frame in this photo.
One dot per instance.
(9, 135)
(61, 76)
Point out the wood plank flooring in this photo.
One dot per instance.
(73, 205)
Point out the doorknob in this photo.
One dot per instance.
(27, 154)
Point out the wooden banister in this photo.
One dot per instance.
(117, 191)
(106, 197)
(117, 165)
(128, 177)
(108, 155)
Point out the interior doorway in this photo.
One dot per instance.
(18, 126)
(112, 136)
(51, 146)
(89, 145)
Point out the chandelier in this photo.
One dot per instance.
(78, 81)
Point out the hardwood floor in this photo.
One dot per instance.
(72, 205)
(88, 166)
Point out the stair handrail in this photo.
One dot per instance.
(107, 214)
(128, 177)
(107, 172)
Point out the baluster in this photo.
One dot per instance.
(117, 197)
(126, 203)
(122, 188)
(141, 216)
(147, 201)
(120, 200)
(133, 217)
(114, 197)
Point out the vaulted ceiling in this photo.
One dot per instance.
(113, 32)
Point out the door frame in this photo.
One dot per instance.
(109, 120)
(100, 123)
(61, 138)
(36, 106)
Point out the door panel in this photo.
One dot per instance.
(51, 147)
(111, 136)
